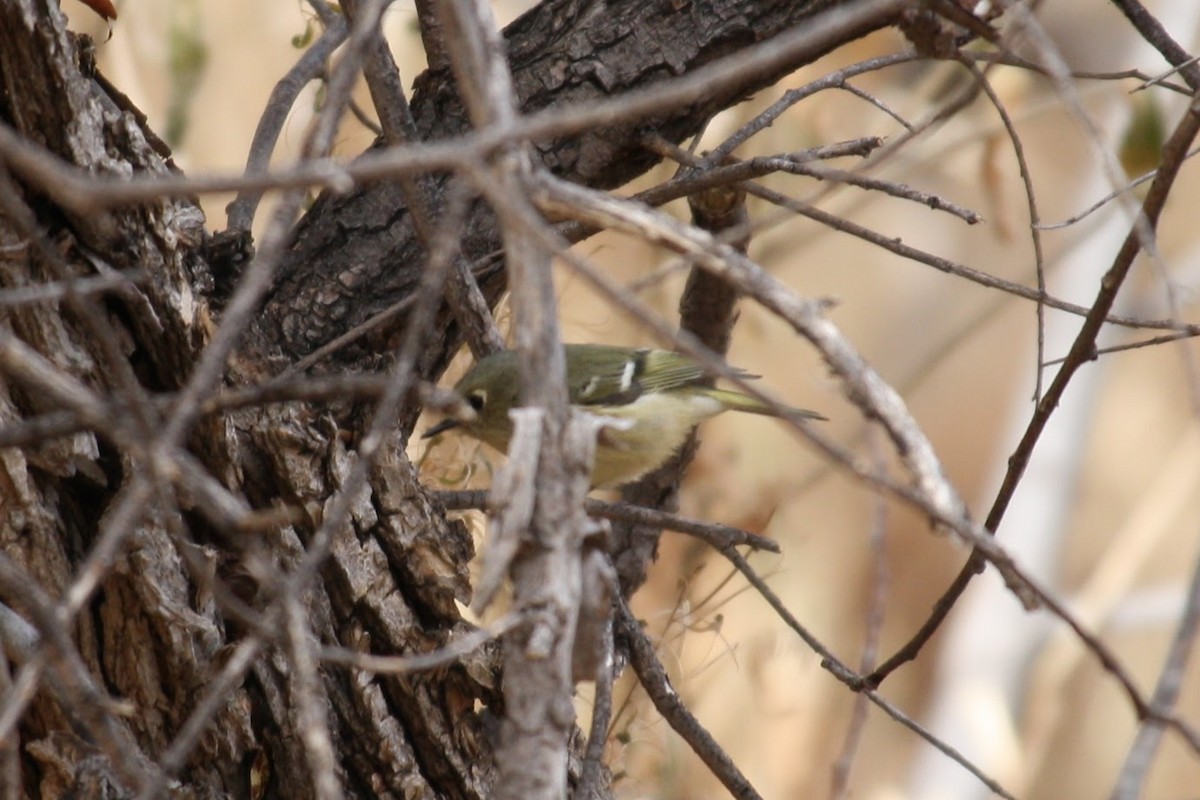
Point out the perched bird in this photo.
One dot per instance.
(655, 398)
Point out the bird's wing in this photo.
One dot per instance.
(603, 375)
(615, 376)
(663, 371)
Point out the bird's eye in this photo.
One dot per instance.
(476, 399)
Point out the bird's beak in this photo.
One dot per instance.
(444, 425)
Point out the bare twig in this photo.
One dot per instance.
(1144, 79)
(1120, 348)
(383, 81)
(796, 164)
(1035, 234)
(387, 93)
(1124, 189)
(57, 291)
(717, 535)
(693, 176)
(834, 80)
(85, 411)
(205, 708)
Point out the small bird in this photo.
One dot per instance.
(654, 397)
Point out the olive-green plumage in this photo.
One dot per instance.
(656, 395)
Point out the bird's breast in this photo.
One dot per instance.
(645, 433)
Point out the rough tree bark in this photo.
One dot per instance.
(163, 577)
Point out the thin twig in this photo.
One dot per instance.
(717, 535)
(449, 653)
(1144, 79)
(1035, 217)
(84, 411)
(1124, 189)
(796, 164)
(1120, 348)
(57, 291)
(834, 80)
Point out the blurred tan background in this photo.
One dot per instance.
(1108, 511)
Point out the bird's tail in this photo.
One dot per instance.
(736, 401)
